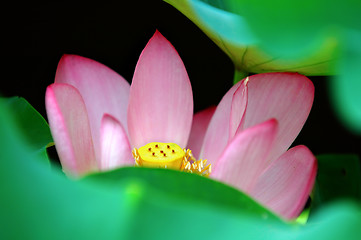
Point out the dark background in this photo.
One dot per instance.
(115, 33)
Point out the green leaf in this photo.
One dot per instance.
(180, 205)
(51, 206)
(297, 27)
(32, 125)
(37, 203)
(311, 37)
(346, 87)
(339, 220)
(301, 28)
(192, 188)
(338, 177)
(234, 27)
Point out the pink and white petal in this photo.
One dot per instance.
(287, 97)
(115, 147)
(161, 100)
(70, 128)
(103, 91)
(225, 122)
(198, 130)
(244, 158)
(285, 186)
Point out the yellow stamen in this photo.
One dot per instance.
(170, 155)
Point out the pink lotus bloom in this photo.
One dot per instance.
(96, 119)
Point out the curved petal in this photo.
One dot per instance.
(103, 91)
(70, 128)
(238, 108)
(285, 186)
(115, 147)
(287, 97)
(198, 130)
(225, 122)
(161, 101)
(244, 158)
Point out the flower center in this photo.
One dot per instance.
(169, 155)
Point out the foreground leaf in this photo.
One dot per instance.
(31, 124)
(188, 187)
(52, 206)
(37, 203)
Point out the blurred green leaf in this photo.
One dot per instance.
(178, 205)
(37, 203)
(233, 26)
(338, 177)
(334, 221)
(32, 125)
(192, 188)
(297, 27)
(346, 87)
(311, 37)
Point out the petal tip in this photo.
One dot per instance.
(160, 70)
(67, 58)
(160, 42)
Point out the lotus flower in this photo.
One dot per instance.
(96, 119)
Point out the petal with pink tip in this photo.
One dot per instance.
(287, 97)
(244, 158)
(285, 186)
(103, 90)
(198, 130)
(70, 128)
(115, 147)
(160, 101)
(225, 122)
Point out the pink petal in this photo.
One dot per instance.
(198, 130)
(225, 122)
(285, 186)
(115, 147)
(161, 101)
(244, 158)
(103, 91)
(238, 108)
(287, 97)
(70, 128)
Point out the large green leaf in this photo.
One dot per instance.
(304, 27)
(337, 220)
(297, 27)
(312, 37)
(346, 87)
(233, 32)
(33, 126)
(192, 188)
(37, 203)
